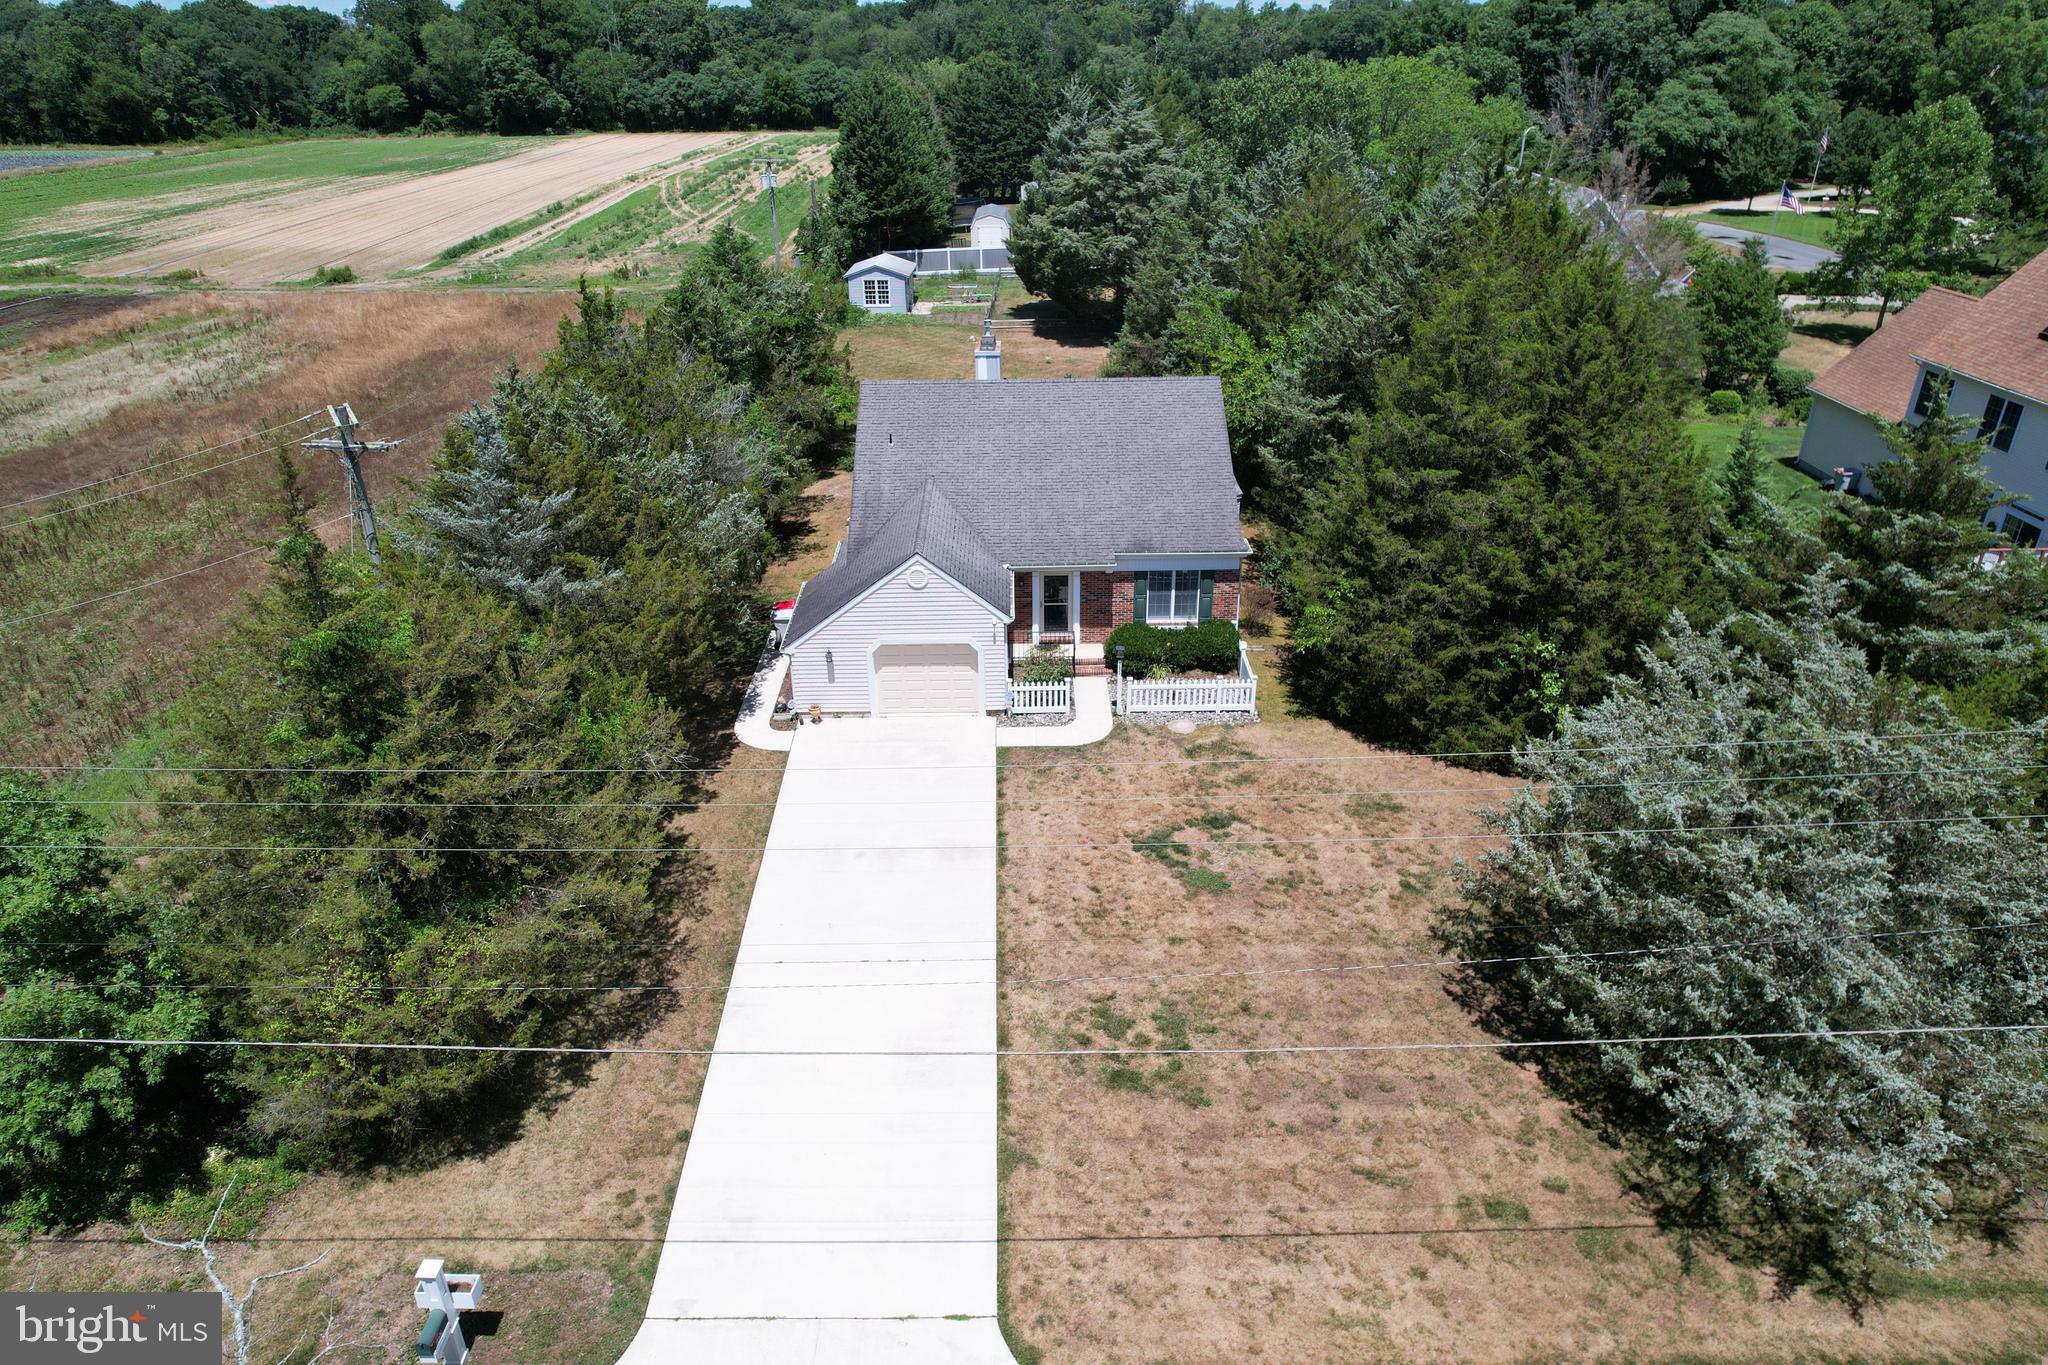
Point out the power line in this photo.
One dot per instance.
(131, 492)
(139, 587)
(1268, 1050)
(1843, 737)
(160, 464)
(716, 988)
(1059, 846)
(1487, 794)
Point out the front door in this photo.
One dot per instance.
(1055, 604)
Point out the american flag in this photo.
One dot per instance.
(1823, 142)
(1788, 200)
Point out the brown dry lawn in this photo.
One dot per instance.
(1820, 339)
(889, 348)
(565, 1219)
(812, 533)
(1431, 1206)
(100, 392)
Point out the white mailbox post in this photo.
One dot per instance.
(445, 1297)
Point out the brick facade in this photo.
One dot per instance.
(1106, 604)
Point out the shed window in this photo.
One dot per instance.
(2001, 420)
(874, 293)
(1934, 385)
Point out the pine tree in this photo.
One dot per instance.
(892, 176)
(1521, 501)
(1742, 481)
(1831, 1153)
(1104, 179)
(479, 519)
(996, 118)
(1734, 306)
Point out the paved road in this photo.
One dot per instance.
(843, 1208)
(1786, 254)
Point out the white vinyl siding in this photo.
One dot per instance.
(895, 613)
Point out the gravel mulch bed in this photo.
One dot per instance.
(1035, 718)
(1161, 719)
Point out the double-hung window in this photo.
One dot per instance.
(874, 293)
(1934, 386)
(1173, 596)
(2001, 420)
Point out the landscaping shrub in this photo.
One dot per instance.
(1788, 383)
(1046, 663)
(1793, 282)
(1724, 403)
(335, 274)
(1208, 648)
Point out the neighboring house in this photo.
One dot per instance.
(989, 518)
(990, 227)
(882, 284)
(1989, 355)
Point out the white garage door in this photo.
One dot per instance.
(926, 678)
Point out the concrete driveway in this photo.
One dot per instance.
(844, 1208)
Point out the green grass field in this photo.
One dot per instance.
(1783, 484)
(95, 209)
(1811, 227)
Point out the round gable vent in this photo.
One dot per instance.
(917, 578)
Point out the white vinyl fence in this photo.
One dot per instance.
(1027, 697)
(1240, 693)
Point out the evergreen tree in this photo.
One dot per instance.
(1519, 511)
(433, 731)
(492, 530)
(1742, 481)
(1917, 601)
(892, 176)
(1832, 1153)
(996, 116)
(1741, 328)
(1105, 179)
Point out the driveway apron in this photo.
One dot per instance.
(843, 1208)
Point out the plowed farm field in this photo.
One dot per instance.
(387, 224)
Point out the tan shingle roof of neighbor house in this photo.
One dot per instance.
(1999, 341)
(1996, 339)
(1878, 375)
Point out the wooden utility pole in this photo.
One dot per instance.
(350, 450)
(769, 179)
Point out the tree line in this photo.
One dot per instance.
(403, 761)
(1693, 99)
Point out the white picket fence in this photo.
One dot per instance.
(1028, 697)
(1240, 693)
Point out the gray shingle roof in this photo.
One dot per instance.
(1054, 472)
(887, 262)
(991, 211)
(925, 524)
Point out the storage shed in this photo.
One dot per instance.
(882, 284)
(990, 227)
